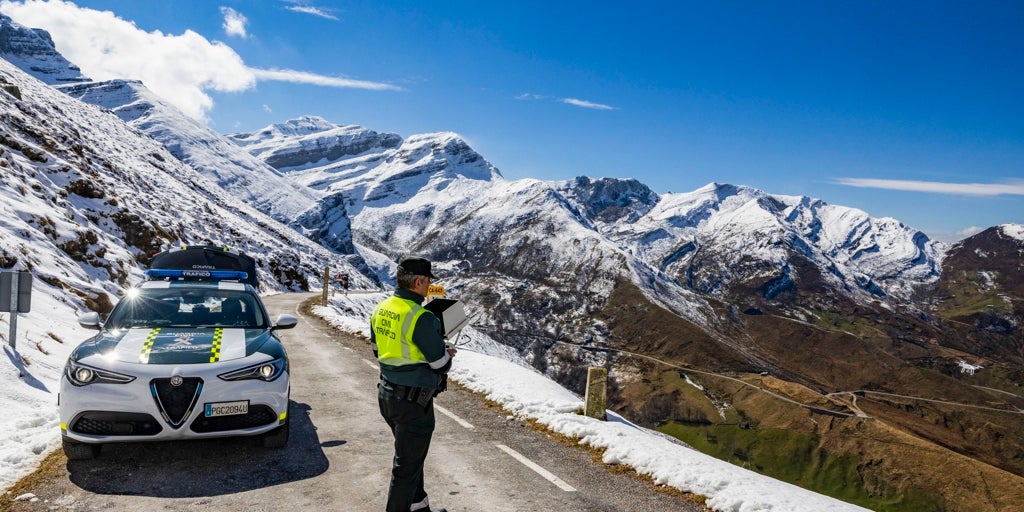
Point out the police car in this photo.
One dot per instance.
(190, 353)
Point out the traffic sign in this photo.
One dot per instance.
(16, 292)
(435, 291)
(15, 297)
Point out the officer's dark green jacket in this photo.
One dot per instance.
(425, 356)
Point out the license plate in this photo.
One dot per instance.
(227, 408)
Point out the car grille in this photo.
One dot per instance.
(116, 424)
(176, 402)
(257, 416)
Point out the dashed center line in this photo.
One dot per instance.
(547, 475)
(540, 471)
(465, 424)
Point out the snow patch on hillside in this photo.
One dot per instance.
(1013, 231)
(527, 394)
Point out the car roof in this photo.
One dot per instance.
(207, 259)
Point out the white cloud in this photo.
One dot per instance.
(969, 231)
(315, 11)
(569, 101)
(586, 104)
(234, 22)
(267, 109)
(1014, 187)
(178, 68)
(304, 77)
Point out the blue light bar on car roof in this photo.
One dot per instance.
(159, 273)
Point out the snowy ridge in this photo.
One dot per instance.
(867, 256)
(33, 50)
(364, 165)
(89, 174)
(233, 168)
(213, 155)
(309, 141)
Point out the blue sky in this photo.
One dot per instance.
(910, 110)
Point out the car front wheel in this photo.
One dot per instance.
(80, 451)
(276, 438)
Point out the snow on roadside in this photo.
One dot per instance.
(481, 365)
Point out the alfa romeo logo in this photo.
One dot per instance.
(176, 380)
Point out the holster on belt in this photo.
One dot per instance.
(421, 396)
(401, 392)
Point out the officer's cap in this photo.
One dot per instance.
(416, 265)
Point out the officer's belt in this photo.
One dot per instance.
(421, 396)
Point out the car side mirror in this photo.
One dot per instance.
(90, 320)
(285, 321)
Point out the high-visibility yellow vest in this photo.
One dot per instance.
(393, 321)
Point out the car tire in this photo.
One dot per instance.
(276, 438)
(80, 451)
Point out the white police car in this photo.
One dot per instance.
(191, 353)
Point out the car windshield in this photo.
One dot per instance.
(187, 307)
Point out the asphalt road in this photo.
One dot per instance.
(339, 455)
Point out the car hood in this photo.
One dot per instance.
(174, 345)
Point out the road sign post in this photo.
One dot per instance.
(15, 297)
(327, 286)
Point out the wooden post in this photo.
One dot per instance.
(14, 310)
(327, 285)
(597, 393)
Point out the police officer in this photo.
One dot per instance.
(414, 361)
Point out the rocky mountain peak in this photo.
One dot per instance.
(610, 200)
(302, 142)
(302, 125)
(446, 152)
(992, 259)
(32, 49)
(129, 99)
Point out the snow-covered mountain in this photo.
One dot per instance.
(236, 170)
(369, 167)
(33, 50)
(95, 198)
(720, 234)
(410, 194)
(208, 152)
(982, 281)
(321, 218)
(356, 168)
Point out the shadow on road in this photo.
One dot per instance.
(209, 467)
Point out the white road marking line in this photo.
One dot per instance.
(540, 471)
(371, 365)
(465, 424)
(305, 319)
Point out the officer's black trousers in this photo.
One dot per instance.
(412, 425)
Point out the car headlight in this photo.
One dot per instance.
(83, 375)
(267, 371)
